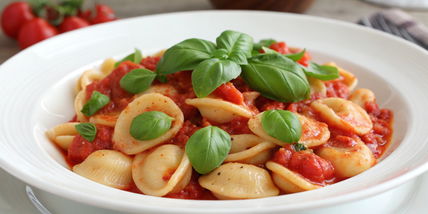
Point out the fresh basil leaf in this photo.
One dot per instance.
(87, 131)
(162, 78)
(135, 57)
(296, 56)
(322, 72)
(211, 73)
(238, 45)
(207, 148)
(263, 43)
(95, 103)
(269, 51)
(220, 54)
(282, 125)
(185, 55)
(299, 147)
(137, 80)
(150, 125)
(276, 77)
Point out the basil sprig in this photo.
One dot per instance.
(207, 148)
(238, 45)
(135, 57)
(276, 77)
(322, 72)
(137, 80)
(211, 73)
(282, 125)
(87, 131)
(150, 125)
(296, 56)
(185, 55)
(95, 103)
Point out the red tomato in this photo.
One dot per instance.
(35, 31)
(305, 59)
(103, 14)
(150, 62)
(80, 148)
(280, 47)
(72, 23)
(14, 16)
(228, 92)
(86, 15)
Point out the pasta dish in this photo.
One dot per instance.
(230, 119)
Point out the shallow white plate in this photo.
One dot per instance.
(37, 88)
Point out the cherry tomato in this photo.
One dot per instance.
(72, 23)
(228, 92)
(14, 16)
(35, 31)
(103, 14)
(86, 15)
(305, 59)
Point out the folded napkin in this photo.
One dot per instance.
(398, 23)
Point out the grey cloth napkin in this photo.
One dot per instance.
(398, 23)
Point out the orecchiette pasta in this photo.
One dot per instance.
(164, 89)
(79, 102)
(348, 78)
(63, 134)
(104, 119)
(107, 66)
(289, 181)
(95, 74)
(239, 181)
(344, 114)
(123, 141)
(348, 161)
(314, 133)
(164, 170)
(362, 96)
(218, 110)
(248, 148)
(317, 86)
(107, 167)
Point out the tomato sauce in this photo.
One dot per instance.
(193, 191)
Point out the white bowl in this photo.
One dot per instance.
(37, 87)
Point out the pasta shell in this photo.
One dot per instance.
(314, 133)
(63, 134)
(250, 149)
(255, 125)
(165, 170)
(317, 86)
(349, 79)
(107, 67)
(108, 167)
(362, 96)
(104, 119)
(348, 161)
(218, 110)
(239, 181)
(343, 114)
(79, 102)
(164, 89)
(289, 181)
(122, 139)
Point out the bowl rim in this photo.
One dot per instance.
(105, 203)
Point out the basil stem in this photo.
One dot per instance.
(87, 131)
(95, 103)
(207, 148)
(137, 80)
(282, 125)
(263, 43)
(150, 125)
(211, 73)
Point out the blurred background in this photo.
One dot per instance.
(346, 10)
